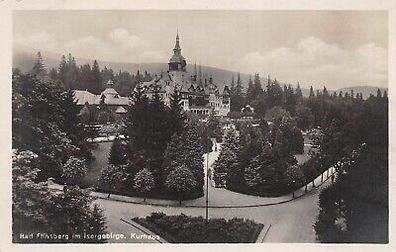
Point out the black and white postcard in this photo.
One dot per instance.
(196, 123)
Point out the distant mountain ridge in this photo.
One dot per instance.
(24, 61)
(365, 90)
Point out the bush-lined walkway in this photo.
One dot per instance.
(218, 197)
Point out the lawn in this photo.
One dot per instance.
(101, 154)
(187, 229)
(302, 158)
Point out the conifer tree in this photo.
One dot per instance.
(72, 125)
(173, 154)
(73, 212)
(70, 112)
(298, 91)
(257, 85)
(85, 77)
(193, 154)
(53, 74)
(214, 128)
(117, 155)
(274, 94)
(226, 163)
(237, 99)
(379, 93)
(311, 93)
(232, 86)
(227, 160)
(96, 79)
(177, 117)
(325, 92)
(71, 78)
(62, 70)
(288, 140)
(251, 92)
(252, 173)
(38, 67)
(231, 141)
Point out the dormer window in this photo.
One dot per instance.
(116, 96)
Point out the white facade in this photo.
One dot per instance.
(199, 94)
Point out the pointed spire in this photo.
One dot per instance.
(177, 48)
(199, 73)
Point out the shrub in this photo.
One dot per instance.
(187, 229)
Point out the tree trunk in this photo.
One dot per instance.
(293, 195)
(108, 196)
(313, 183)
(180, 202)
(306, 187)
(144, 199)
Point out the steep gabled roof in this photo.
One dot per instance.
(83, 97)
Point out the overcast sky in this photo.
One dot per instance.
(332, 48)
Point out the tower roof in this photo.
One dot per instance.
(177, 45)
(177, 59)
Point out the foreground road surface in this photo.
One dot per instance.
(290, 222)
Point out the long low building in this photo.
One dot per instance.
(109, 97)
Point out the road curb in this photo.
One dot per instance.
(263, 233)
(212, 207)
(144, 230)
(224, 206)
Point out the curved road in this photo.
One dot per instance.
(290, 222)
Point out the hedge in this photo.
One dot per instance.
(188, 229)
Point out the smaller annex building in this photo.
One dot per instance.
(113, 101)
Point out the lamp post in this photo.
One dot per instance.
(294, 182)
(207, 188)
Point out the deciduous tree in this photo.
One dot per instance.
(144, 182)
(74, 170)
(111, 177)
(181, 182)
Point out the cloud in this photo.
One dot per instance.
(122, 38)
(42, 41)
(315, 62)
(118, 46)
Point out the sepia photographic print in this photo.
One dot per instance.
(199, 126)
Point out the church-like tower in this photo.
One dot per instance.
(177, 61)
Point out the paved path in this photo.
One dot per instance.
(290, 222)
(218, 197)
(116, 225)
